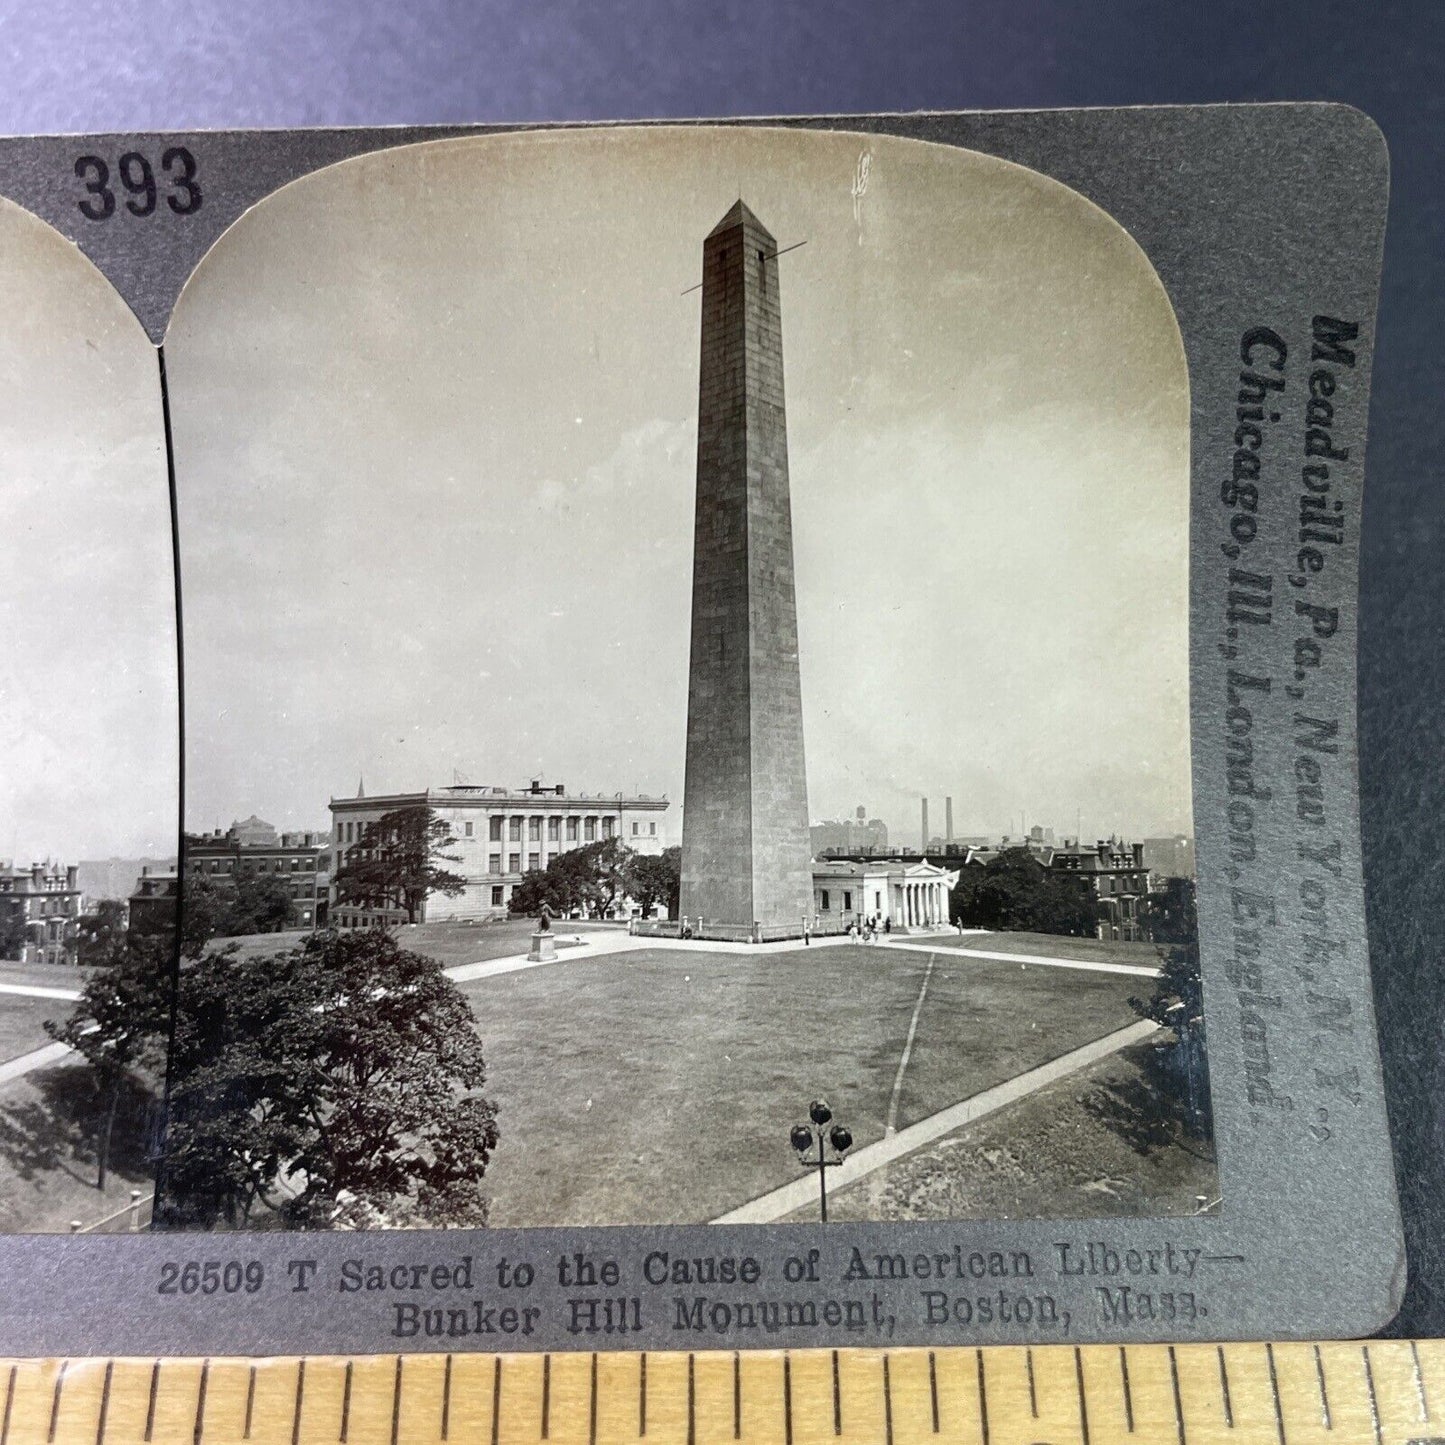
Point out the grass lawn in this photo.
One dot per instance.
(22, 1023)
(1058, 1154)
(1051, 945)
(448, 943)
(659, 1086)
(47, 1175)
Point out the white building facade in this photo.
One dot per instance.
(501, 834)
(907, 896)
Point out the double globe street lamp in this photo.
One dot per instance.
(806, 1136)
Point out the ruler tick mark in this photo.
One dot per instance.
(1128, 1393)
(151, 1406)
(1178, 1403)
(345, 1405)
(737, 1396)
(982, 1400)
(837, 1399)
(1274, 1390)
(201, 1402)
(55, 1399)
(496, 1400)
(250, 1403)
(296, 1412)
(1324, 1393)
(447, 1399)
(396, 1403)
(1374, 1400)
(692, 1401)
(9, 1405)
(1033, 1394)
(933, 1389)
(887, 1404)
(642, 1395)
(546, 1396)
(1224, 1388)
(104, 1403)
(592, 1404)
(787, 1398)
(1083, 1403)
(1419, 1381)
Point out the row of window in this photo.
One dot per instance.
(577, 829)
(42, 906)
(257, 865)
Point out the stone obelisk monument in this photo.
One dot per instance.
(746, 857)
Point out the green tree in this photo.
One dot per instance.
(397, 862)
(261, 904)
(100, 937)
(13, 932)
(1013, 891)
(591, 879)
(1171, 915)
(337, 1083)
(1177, 1072)
(547, 888)
(655, 878)
(119, 1028)
(204, 913)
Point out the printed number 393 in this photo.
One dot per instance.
(137, 178)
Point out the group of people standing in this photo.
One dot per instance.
(869, 929)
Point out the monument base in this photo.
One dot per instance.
(544, 948)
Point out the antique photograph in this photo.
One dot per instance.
(687, 709)
(89, 798)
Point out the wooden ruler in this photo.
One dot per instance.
(1384, 1392)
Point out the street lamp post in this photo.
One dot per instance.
(805, 1136)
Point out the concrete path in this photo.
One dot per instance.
(35, 990)
(779, 1203)
(36, 1059)
(595, 945)
(1088, 965)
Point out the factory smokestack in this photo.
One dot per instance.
(948, 820)
(924, 848)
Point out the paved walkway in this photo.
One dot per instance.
(36, 1059)
(595, 945)
(779, 1203)
(1088, 965)
(35, 990)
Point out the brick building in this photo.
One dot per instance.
(253, 847)
(39, 908)
(501, 833)
(1118, 878)
(154, 902)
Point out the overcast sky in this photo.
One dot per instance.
(88, 661)
(435, 418)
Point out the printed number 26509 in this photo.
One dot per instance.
(210, 1276)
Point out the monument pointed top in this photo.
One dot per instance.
(739, 215)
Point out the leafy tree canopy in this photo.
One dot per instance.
(591, 880)
(100, 937)
(654, 878)
(397, 862)
(337, 1083)
(1015, 892)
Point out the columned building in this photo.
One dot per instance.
(501, 834)
(907, 896)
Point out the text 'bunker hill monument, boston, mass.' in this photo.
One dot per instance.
(746, 857)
